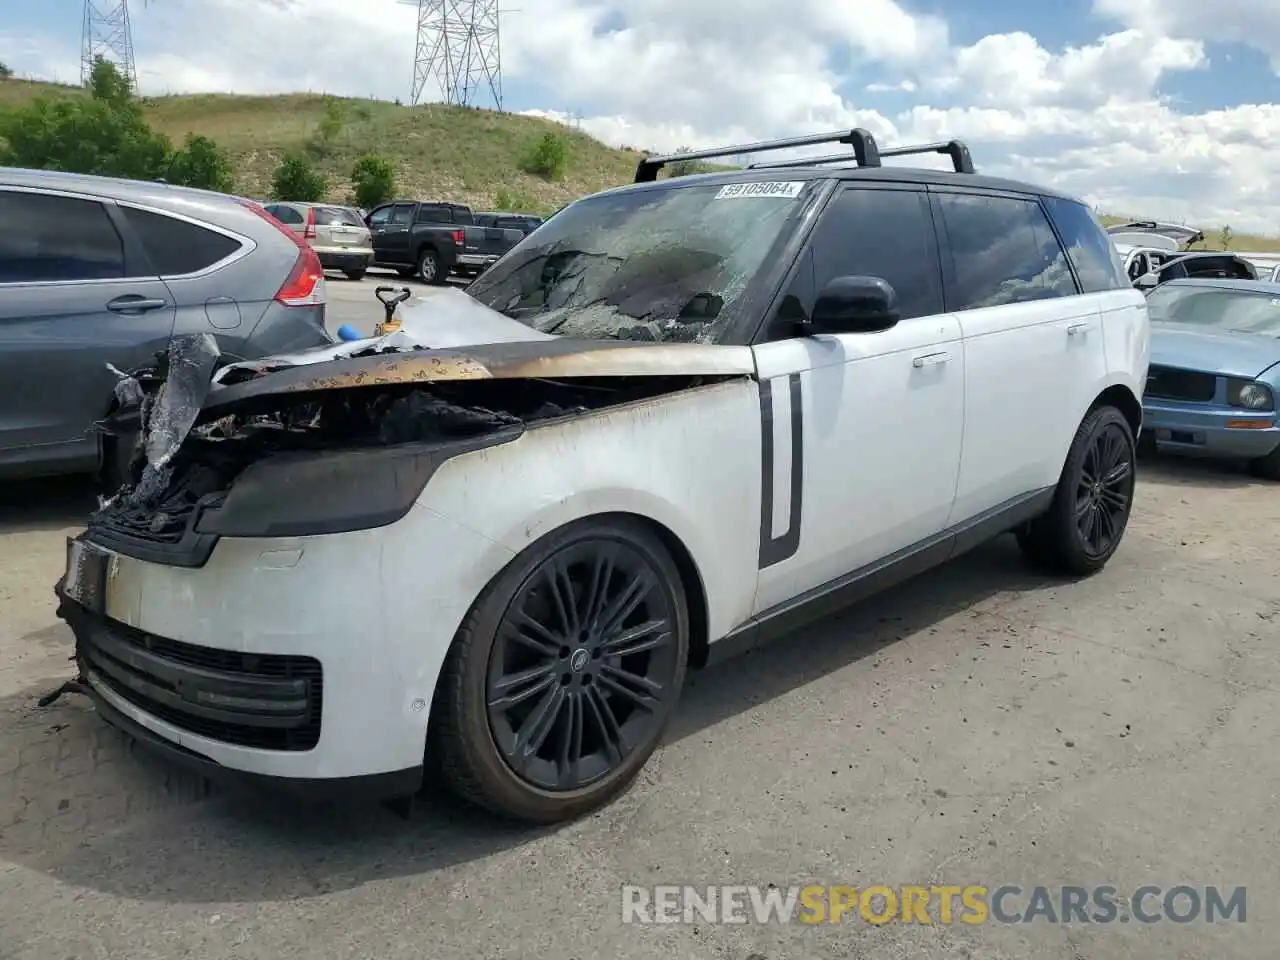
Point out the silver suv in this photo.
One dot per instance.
(339, 235)
(97, 271)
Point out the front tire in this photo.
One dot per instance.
(564, 674)
(1083, 527)
(1268, 467)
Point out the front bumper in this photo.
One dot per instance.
(1208, 430)
(289, 659)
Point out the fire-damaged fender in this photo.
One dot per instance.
(687, 462)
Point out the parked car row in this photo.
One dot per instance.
(428, 240)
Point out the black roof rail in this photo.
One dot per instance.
(865, 151)
(961, 161)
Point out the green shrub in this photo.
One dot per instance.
(547, 156)
(5, 71)
(297, 180)
(373, 178)
(329, 128)
(512, 201)
(201, 163)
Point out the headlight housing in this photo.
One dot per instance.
(1250, 395)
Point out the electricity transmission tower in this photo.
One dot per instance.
(458, 47)
(106, 34)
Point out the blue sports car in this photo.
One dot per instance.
(1215, 371)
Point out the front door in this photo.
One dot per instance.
(863, 431)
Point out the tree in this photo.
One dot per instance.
(201, 163)
(297, 180)
(5, 71)
(105, 134)
(373, 179)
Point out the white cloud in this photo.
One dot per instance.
(660, 74)
(1254, 23)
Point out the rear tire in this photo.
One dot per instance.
(579, 648)
(1268, 467)
(1084, 525)
(354, 274)
(430, 269)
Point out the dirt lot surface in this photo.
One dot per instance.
(979, 726)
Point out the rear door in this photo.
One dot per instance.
(1033, 346)
(194, 260)
(76, 294)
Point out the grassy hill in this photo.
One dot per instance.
(447, 153)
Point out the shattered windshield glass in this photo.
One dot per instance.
(664, 265)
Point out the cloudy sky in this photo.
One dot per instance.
(1160, 108)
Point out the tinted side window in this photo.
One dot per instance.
(175, 247)
(49, 238)
(1002, 251)
(1088, 246)
(402, 213)
(430, 214)
(381, 215)
(886, 234)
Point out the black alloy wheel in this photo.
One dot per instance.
(1104, 492)
(582, 665)
(564, 673)
(1087, 518)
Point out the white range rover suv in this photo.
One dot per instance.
(680, 417)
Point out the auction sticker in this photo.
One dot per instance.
(787, 190)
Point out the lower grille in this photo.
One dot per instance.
(269, 701)
(1170, 383)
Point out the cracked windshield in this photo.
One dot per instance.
(662, 265)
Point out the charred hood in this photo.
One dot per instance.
(551, 359)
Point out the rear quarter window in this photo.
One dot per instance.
(176, 247)
(1088, 247)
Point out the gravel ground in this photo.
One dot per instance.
(979, 726)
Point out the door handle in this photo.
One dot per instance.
(133, 304)
(1078, 328)
(930, 359)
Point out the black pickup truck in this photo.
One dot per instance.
(435, 240)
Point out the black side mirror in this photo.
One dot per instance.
(854, 305)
